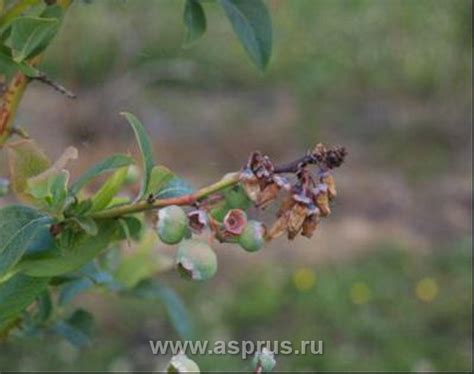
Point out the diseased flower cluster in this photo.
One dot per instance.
(307, 197)
(306, 201)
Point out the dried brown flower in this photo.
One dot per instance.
(297, 216)
(310, 225)
(235, 221)
(198, 220)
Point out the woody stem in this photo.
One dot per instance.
(190, 199)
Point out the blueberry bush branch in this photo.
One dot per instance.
(55, 243)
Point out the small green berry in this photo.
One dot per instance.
(4, 186)
(196, 260)
(172, 224)
(264, 359)
(253, 236)
(236, 198)
(181, 363)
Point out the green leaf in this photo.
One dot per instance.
(45, 307)
(71, 289)
(131, 227)
(51, 190)
(25, 160)
(82, 251)
(143, 262)
(31, 35)
(160, 177)
(109, 164)
(145, 148)
(77, 329)
(195, 21)
(179, 316)
(89, 276)
(16, 294)
(252, 24)
(87, 224)
(176, 187)
(8, 67)
(109, 189)
(19, 227)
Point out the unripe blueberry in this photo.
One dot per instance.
(196, 260)
(253, 236)
(180, 363)
(236, 198)
(172, 224)
(264, 359)
(4, 186)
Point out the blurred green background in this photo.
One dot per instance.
(386, 282)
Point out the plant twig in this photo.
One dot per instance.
(11, 101)
(329, 158)
(43, 78)
(190, 199)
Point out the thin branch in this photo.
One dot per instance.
(190, 199)
(294, 166)
(43, 78)
(11, 100)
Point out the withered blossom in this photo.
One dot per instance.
(279, 227)
(310, 225)
(321, 199)
(235, 221)
(198, 220)
(307, 197)
(296, 218)
(328, 180)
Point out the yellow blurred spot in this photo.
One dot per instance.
(304, 279)
(360, 293)
(427, 289)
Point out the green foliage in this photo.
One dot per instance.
(19, 228)
(195, 21)
(25, 160)
(26, 36)
(175, 187)
(159, 179)
(145, 148)
(16, 294)
(109, 164)
(77, 328)
(31, 35)
(251, 22)
(155, 291)
(58, 245)
(109, 189)
(79, 250)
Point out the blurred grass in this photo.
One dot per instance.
(387, 310)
